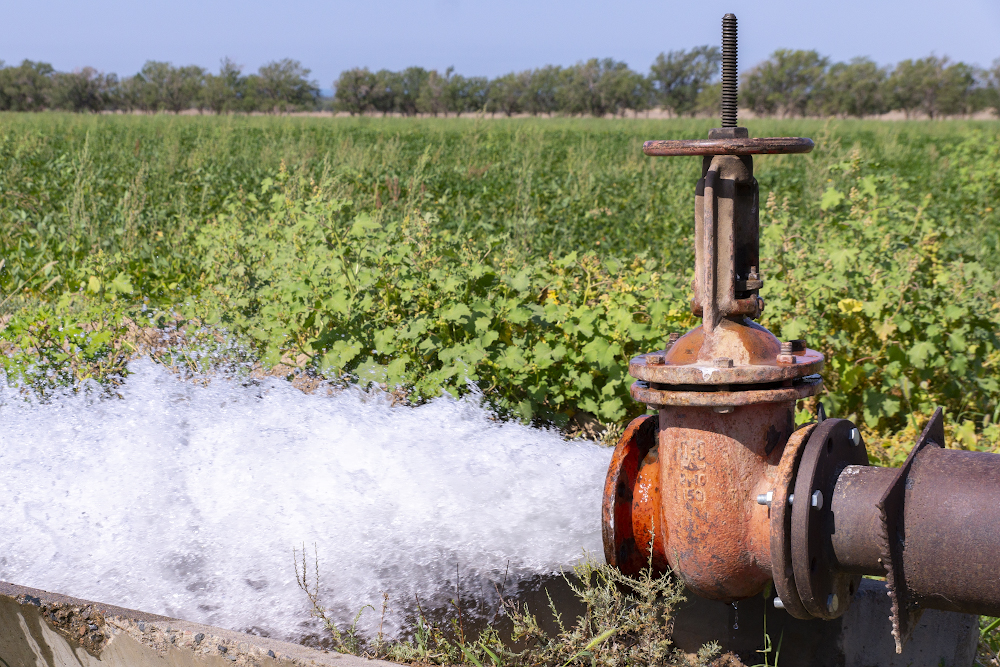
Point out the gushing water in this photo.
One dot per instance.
(187, 500)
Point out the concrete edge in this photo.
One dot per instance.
(92, 627)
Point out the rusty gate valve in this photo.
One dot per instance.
(722, 490)
(682, 485)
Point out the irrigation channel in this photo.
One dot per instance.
(187, 498)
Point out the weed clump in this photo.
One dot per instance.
(628, 621)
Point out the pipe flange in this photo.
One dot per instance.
(824, 592)
(656, 397)
(800, 364)
(621, 515)
(781, 522)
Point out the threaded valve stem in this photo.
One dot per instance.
(729, 75)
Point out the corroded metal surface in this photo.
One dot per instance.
(905, 613)
(726, 242)
(951, 531)
(748, 146)
(825, 591)
(655, 398)
(631, 503)
(856, 541)
(781, 523)
(755, 360)
(712, 466)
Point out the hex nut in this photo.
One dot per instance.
(817, 499)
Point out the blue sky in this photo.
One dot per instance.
(479, 38)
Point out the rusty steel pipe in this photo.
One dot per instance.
(856, 525)
(951, 531)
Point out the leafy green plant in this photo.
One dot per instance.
(988, 653)
(530, 258)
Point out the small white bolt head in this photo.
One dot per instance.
(765, 498)
(791, 498)
(778, 604)
(832, 602)
(817, 499)
(855, 436)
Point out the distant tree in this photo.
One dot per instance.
(787, 83)
(410, 81)
(542, 90)
(159, 86)
(620, 89)
(710, 100)
(507, 92)
(679, 77)
(991, 86)
(455, 93)
(432, 97)
(354, 90)
(224, 92)
(958, 82)
(600, 86)
(284, 85)
(856, 88)
(27, 87)
(470, 94)
(83, 90)
(931, 85)
(388, 86)
(577, 94)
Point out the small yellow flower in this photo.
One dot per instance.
(850, 305)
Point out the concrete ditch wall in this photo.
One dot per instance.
(42, 629)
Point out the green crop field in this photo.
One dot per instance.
(530, 257)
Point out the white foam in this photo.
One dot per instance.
(187, 500)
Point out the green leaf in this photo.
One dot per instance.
(457, 313)
(830, 198)
(121, 284)
(341, 353)
(920, 353)
(363, 224)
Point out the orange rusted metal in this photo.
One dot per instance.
(631, 509)
(712, 466)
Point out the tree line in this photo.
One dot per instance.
(282, 85)
(682, 82)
